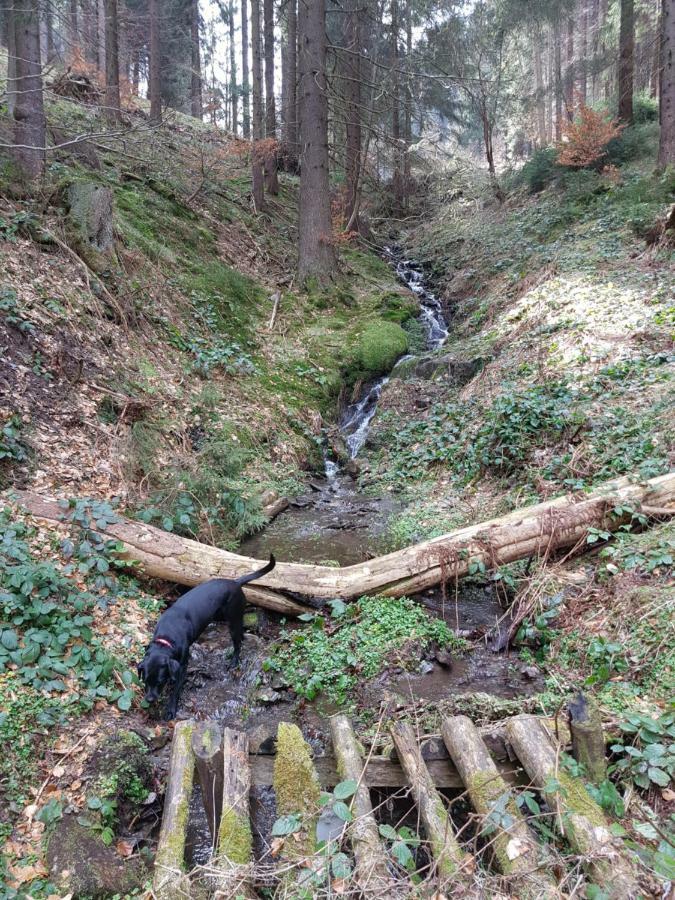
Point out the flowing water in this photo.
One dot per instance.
(335, 523)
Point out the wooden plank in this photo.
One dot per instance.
(371, 872)
(235, 840)
(448, 856)
(381, 772)
(207, 746)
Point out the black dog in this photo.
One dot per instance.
(166, 659)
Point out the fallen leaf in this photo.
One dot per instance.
(668, 794)
(58, 771)
(30, 810)
(24, 874)
(124, 848)
(277, 846)
(516, 848)
(339, 886)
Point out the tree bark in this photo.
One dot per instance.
(11, 58)
(532, 531)
(667, 85)
(588, 740)
(516, 851)
(113, 107)
(28, 110)
(578, 817)
(100, 35)
(316, 253)
(371, 873)
(234, 93)
(291, 113)
(74, 33)
(539, 87)
(256, 160)
(557, 42)
(569, 72)
(352, 95)
(397, 177)
(271, 177)
(245, 86)
(448, 857)
(583, 54)
(196, 106)
(154, 79)
(626, 61)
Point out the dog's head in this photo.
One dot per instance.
(156, 671)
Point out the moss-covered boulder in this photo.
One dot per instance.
(90, 223)
(122, 772)
(82, 865)
(378, 347)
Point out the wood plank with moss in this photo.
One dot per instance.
(577, 816)
(170, 880)
(297, 788)
(515, 849)
(235, 840)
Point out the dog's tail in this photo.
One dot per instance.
(259, 574)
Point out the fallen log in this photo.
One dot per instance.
(235, 839)
(170, 880)
(537, 530)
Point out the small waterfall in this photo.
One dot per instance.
(358, 416)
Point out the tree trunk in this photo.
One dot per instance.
(578, 817)
(291, 113)
(113, 109)
(532, 531)
(154, 79)
(29, 116)
(135, 71)
(271, 176)
(397, 176)
(371, 873)
(539, 88)
(49, 29)
(316, 253)
(74, 33)
(235, 840)
(557, 41)
(626, 61)
(595, 47)
(407, 105)
(569, 72)
(516, 851)
(245, 87)
(100, 35)
(352, 96)
(11, 58)
(583, 53)
(196, 107)
(234, 93)
(256, 160)
(667, 85)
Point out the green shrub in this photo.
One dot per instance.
(379, 346)
(645, 109)
(539, 171)
(637, 142)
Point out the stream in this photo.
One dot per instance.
(335, 523)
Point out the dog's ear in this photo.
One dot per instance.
(174, 669)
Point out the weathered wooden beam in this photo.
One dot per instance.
(577, 816)
(532, 531)
(588, 740)
(371, 872)
(170, 881)
(207, 746)
(515, 850)
(448, 856)
(235, 840)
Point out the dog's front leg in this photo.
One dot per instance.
(172, 705)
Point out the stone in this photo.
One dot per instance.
(444, 658)
(90, 215)
(530, 673)
(81, 864)
(457, 369)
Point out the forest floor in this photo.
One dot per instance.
(158, 386)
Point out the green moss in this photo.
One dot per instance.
(397, 307)
(578, 801)
(296, 784)
(235, 841)
(172, 848)
(379, 346)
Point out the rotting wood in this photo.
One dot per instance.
(371, 873)
(588, 740)
(448, 856)
(532, 531)
(516, 852)
(170, 881)
(207, 746)
(578, 818)
(235, 840)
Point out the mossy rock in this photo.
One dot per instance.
(296, 784)
(123, 772)
(80, 863)
(379, 346)
(396, 307)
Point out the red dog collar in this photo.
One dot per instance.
(163, 642)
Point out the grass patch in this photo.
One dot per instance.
(333, 656)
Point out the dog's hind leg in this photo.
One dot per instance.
(172, 705)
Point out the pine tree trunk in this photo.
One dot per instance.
(550, 89)
(135, 71)
(626, 61)
(539, 88)
(656, 53)
(256, 161)
(569, 73)
(292, 80)
(595, 47)
(396, 111)
(557, 42)
(271, 177)
(352, 96)
(74, 33)
(316, 253)
(29, 116)
(245, 87)
(234, 94)
(112, 71)
(100, 35)
(154, 80)
(49, 31)
(11, 58)
(667, 85)
(89, 14)
(407, 105)
(583, 77)
(196, 106)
